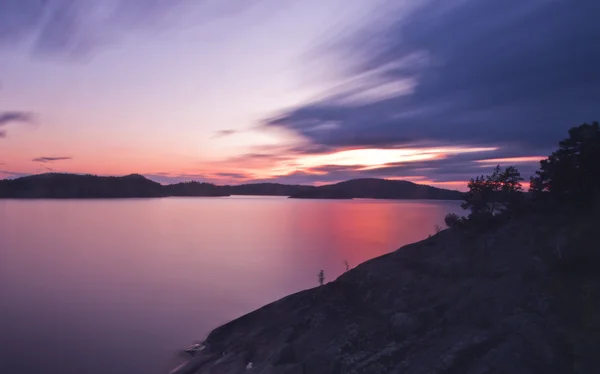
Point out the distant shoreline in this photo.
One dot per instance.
(76, 186)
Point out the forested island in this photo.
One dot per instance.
(59, 185)
(374, 188)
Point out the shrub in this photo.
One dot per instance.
(494, 193)
(453, 221)
(321, 277)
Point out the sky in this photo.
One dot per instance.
(303, 92)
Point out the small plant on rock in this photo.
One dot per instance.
(321, 277)
(453, 221)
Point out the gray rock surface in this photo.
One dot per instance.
(455, 303)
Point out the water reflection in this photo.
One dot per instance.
(118, 285)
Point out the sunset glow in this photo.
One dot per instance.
(167, 166)
(179, 98)
(269, 166)
(377, 157)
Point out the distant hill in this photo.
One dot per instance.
(378, 189)
(57, 185)
(194, 189)
(271, 189)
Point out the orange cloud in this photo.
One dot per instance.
(281, 163)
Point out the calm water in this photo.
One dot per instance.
(118, 286)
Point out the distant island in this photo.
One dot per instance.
(76, 186)
(378, 189)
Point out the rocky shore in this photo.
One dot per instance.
(502, 301)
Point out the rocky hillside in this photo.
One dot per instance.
(515, 300)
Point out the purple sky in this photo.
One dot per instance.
(292, 91)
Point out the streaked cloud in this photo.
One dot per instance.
(294, 165)
(512, 160)
(503, 74)
(469, 88)
(240, 176)
(77, 27)
(373, 157)
(7, 118)
(434, 92)
(46, 159)
(224, 133)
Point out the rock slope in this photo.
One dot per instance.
(455, 303)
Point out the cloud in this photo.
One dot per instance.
(265, 159)
(240, 176)
(430, 172)
(51, 159)
(14, 116)
(7, 118)
(77, 27)
(74, 27)
(510, 73)
(449, 167)
(299, 163)
(224, 133)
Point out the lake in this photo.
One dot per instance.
(119, 286)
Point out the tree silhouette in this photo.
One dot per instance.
(573, 171)
(493, 193)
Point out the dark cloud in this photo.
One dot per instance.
(311, 149)
(14, 117)
(232, 175)
(460, 167)
(494, 72)
(51, 159)
(264, 159)
(257, 156)
(8, 117)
